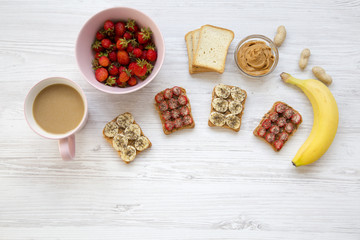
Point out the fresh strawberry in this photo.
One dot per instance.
(111, 81)
(101, 74)
(137, 52)
(151, 55)
(120, 84)
(130, 48)
(149, 67)
(106, 43)
(131, 25)
(128, 35)
(122, 44)
(140, 68)
(131, 67)
(121, 69)
(119, 29)
(100, 35)
(113, 70)
(132, 81)
(96, 46)
(109, 26)
(95, 64)
(143, 55)
(124, 76)
(144, 36)
(112, 56)
(123, 57)
(99, 54)
(104, 61)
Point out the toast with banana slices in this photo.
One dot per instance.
(126, 137)
(227, 107)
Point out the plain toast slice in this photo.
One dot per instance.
(212, 48)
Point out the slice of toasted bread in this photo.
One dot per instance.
(189, 45)
(195, 35)
(212, 48)
(227, 111)
(131, 142)
(163, 121)
(266, 116)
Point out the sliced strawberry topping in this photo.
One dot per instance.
(274, 129)
(184, 110)
(278, 144)
(187, 120)
(163, 106)
(175, 113)
(270, 137)
(168, 93)
(173, 103)
(289, 127)
(288, 113)
(183, 100)
(169, 125)
(178, 123)
(159, 97)
(166, 115)
(281, 122)
(283, 136)
(176, 90)
(296, 118)
(274, 116)
(261, 131)
(266, 124)
(280, 107)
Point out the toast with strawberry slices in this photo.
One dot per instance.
(174, 109)
(278, 125)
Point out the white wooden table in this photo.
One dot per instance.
(203, 183)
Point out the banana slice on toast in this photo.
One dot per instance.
(227, 107)
(126, 137)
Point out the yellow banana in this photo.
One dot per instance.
(326, 119)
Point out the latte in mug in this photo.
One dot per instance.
(58, 108)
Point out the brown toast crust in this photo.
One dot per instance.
(296, 126)
(192, 69)
(131, 142)
(163, 121)
(227, 111)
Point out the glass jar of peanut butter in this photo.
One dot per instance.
(256, 56)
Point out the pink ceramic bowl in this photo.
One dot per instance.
(85, 55)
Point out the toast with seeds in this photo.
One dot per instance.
(227, 107)
(126, 137)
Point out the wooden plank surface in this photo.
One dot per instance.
(203, 183)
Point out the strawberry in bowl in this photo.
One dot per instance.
(120, 50)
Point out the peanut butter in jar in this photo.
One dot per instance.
(255, 58)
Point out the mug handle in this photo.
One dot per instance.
(67, 147)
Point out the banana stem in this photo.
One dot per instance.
(287, 78)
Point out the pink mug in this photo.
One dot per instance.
(66, 140)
